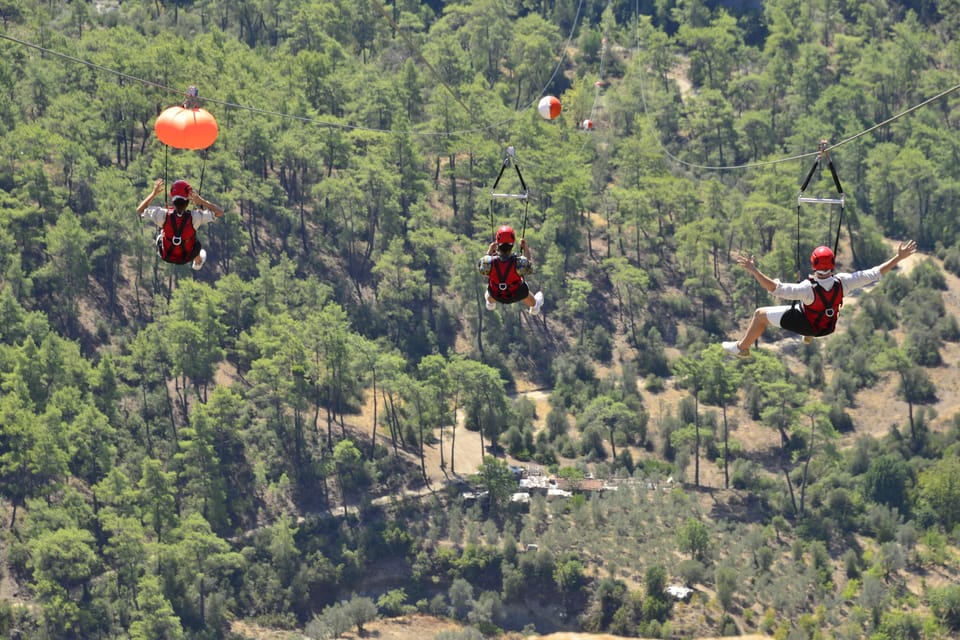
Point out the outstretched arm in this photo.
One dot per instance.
(905, 250)
(157, 188)
(206, 204)
(747, 262)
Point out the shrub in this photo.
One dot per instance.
(392, 602)
(951, 260)
(690, 572)
(728, 626)
(945, 604)
(726, 582)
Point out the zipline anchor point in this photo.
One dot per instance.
(192, 101)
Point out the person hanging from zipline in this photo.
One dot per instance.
(505, 272)
(177, 241)
(817, 300)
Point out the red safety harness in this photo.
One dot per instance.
(177, 237)
(504, 278)
(822, 313)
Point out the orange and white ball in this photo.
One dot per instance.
(549, 107)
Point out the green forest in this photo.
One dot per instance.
(267, 443)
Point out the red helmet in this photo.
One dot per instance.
(822, 259)
(180, 190)
(505, 235)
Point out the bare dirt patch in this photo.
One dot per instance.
(424, 627)
(598, 636)
(462, 452)
(413, 627)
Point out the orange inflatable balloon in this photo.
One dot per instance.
(186, 128)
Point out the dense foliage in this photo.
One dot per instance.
(181, 449)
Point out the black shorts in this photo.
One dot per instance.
(520, 294)
(796, 321)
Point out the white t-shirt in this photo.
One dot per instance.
(803, 291)
(159, 214)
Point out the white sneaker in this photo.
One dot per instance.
(734, 349)
(203, 259)
(535, 309)
(491, 305)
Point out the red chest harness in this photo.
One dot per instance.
(504, 278)
(177, 238)
(823, 311)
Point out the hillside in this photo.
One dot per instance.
(880, 399)
(188, 454)
(758, 442)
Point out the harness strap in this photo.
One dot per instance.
(502, 274)
(203, 168)
(828, 310)
(176, 239)
(505, 286)
(827, 300)
(836, 182)
(823, 154)
(525, 196)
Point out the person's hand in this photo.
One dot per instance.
(747, 262)
(906, 249)
(492, 249)
(523, 245)
(195, 198)
(158, 187)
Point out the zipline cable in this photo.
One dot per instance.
(765, 163)
(415, 50)
(222, 103)
(643, 97)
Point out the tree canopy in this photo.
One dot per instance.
(256, 440)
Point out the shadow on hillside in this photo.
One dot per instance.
(770, 459)
(729, 504)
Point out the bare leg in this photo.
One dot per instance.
(758, 323)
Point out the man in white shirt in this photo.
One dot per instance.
(820, 296)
